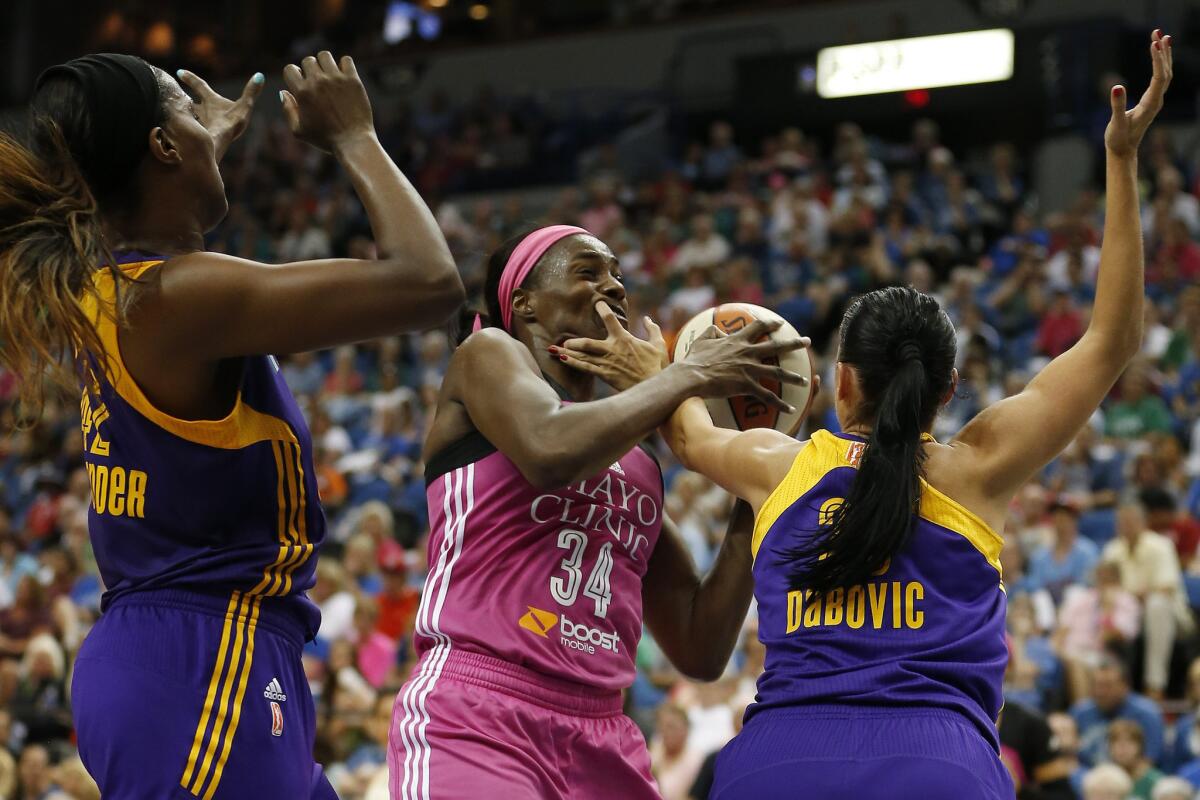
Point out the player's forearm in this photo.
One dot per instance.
(686, 429)
(580, 439)
(1117, 313)
(721, 603)
(405, 230)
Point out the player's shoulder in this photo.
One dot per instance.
(489, 344)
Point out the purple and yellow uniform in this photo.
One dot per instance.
(205, 534)
(888, 689)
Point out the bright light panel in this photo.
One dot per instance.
(925, 62)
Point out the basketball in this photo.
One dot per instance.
(746, 411)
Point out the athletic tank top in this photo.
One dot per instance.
(926, 630)
(219, 507)
(550, 580)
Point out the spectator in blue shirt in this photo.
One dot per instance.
(1069, 559)
(1113, 699)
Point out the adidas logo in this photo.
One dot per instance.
(274, 691)
(538, 621)
(617, 468)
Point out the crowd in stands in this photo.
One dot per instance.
(1101, 563)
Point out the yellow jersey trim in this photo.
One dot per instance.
(825, 452)
(815, 459)
(242, 427)
(941, 509)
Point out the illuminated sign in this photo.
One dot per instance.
(925, 62)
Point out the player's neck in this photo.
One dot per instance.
(579, 386)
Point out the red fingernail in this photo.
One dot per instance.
(1158, 45)
(1116, 90)
(562, 358)
(552, 349)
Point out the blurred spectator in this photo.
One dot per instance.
(34, 775)
(1095, 620)
(1025, 732)
(705, 247)
(1112, 699)
(40, 704)
(1069, 559)
(1150, 571)
(1163, 518)
(1172, 788)
(1138, 412)
(1106, 782)
(676, 764)
(1126, 747)
(1065, 735)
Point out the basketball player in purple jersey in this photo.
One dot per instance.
(545, 518)
(876, 550)
(205, 518)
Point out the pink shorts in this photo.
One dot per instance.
(478, 727)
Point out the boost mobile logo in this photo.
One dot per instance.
(539, 621)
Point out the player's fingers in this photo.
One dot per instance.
(1117, 97)
(770, 398)
(198, 86)
(583, 364)
(759, 328)
(711, 332)
(293, 77)
(310, 67)
(778, 373)
(654, 334)
(598, 347)
(612, 323)
(290, 110)
(326, 62)
(253, 89)
(772, 347)
(347, 65)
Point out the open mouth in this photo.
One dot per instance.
(621, 316)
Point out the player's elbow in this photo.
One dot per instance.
(702, 667)
(443, 288)
(549, 467)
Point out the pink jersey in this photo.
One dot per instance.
(550, 580)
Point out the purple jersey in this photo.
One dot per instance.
(211, 506)
(925, 631)
(547, 579)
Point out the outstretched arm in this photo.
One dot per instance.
(1013, 439)
(696, 621)
(554, 443)
(748, 464)
(211, 306)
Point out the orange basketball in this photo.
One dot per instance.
(746, 411)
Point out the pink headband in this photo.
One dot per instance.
(522, 261)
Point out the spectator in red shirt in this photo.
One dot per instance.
(1163, 517)
(398, 601)
(1061, 326)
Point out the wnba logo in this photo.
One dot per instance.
(855, 453)
(276, 719)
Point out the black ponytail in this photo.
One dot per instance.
(902, 346)
(491, 290)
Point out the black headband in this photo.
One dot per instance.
(123, 103)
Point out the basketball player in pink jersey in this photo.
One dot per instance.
(545, 518)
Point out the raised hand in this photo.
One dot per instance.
(225, 119)
(325, 102)
(621, 359)
(1126, 128)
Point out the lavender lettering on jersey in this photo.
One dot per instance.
(620, 518)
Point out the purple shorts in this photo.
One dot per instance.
(181, 695)
(860, 753)
(471, 726)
